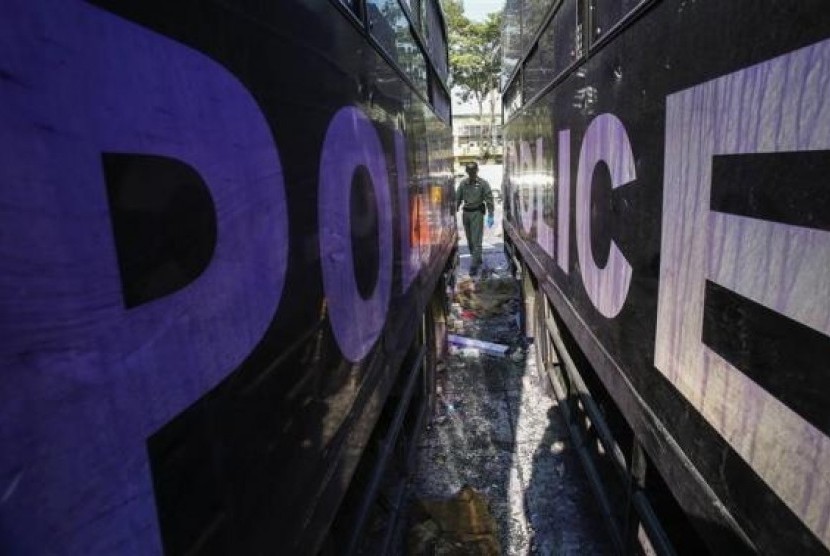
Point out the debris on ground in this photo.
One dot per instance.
(518, 355)
(487, 297)
(461, 525)
(496, 428)
(490, 348)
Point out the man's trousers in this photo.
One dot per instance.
(473, 229)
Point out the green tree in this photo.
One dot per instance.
(454, 14)
(475, 58)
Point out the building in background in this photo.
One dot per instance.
(477, 137)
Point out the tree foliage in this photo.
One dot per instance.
(475, 56)
(454, 14)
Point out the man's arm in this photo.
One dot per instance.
(459, 195)
(488, 197)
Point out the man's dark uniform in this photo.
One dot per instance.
(476, 196)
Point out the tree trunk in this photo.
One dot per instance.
(492, 117)
(481, 150)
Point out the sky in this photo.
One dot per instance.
(477, 10)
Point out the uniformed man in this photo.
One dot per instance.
(475, 194)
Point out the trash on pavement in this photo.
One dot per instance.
(487, 297)
(499, 350)
(461, 525)
(518, 356)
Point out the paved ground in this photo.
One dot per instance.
(497, 430)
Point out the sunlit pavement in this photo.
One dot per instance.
(498, 430)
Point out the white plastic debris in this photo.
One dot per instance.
(499, 350)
